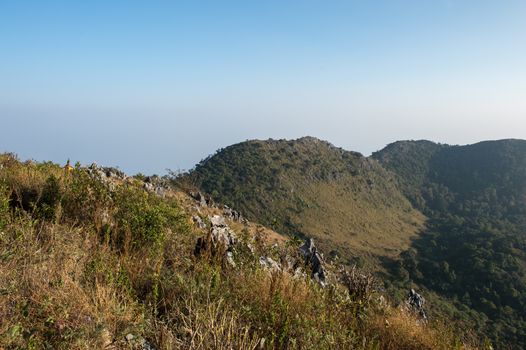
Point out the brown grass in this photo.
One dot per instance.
(65, 285)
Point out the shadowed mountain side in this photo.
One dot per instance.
(474, 250)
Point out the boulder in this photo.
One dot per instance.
(314, 260)
(232, 214)
(198, 221)
(217, 221)
(269, 264)
(415, 303)
(148, 187)
(219, 242)
(202, 200)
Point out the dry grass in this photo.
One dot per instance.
(398, 329)
(46, 300)
(67, 283)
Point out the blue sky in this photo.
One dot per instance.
(150, 85)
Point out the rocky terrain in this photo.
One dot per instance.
(91, 258)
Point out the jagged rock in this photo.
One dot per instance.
(220, 240)
(198, 221)
(314, 260)
(156, 184)
(161, 191)
(148, 187)
(98, 173)
(232, 214)
(114, 173)
(95, 171)
(230, 259)
(415, 303)
(217, 221)
(292, 266)
(202, 200)
(269, 264)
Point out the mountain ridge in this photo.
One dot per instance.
(311, 176)
(427, 202)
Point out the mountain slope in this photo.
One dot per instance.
(308, 187)
(93, 259)
(450, 219)
(474, 248)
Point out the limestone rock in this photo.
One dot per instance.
(198, 221)
(219, 241)
(415, 303)
(269, 264)
(314, 260)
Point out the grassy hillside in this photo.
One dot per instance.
(308, 187)
(474, 248)
(95, 262)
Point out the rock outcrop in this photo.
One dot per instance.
(415, 303)
(314, 260)
(233, 215)
(202, 200)
(198, 221)
(269, 264)
(219, 242)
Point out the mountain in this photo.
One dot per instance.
(349, 203)
(91, 258)
(448, 219)
(474, 248)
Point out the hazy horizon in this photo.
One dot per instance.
(157, 85)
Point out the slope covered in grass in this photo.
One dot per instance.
(308, 187)
(89, 262)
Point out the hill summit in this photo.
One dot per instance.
(310, 188)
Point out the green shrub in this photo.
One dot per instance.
(4, 205)
(142, 218)
(50, 198)
(86, 197)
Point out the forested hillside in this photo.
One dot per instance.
(308, 187)
(449, 219)
(474, 248)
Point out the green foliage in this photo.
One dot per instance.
(4, 205)
(474, 249)
(65, 288)
(50, 198)
(86, 196)
(144, 217)
(308, 187)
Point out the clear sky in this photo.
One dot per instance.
(150, 85)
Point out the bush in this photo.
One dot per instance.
(4, 205)
(86, 197)
(142, 218)
(50, 198)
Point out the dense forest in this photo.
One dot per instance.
(473, 250)
(461, 239)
